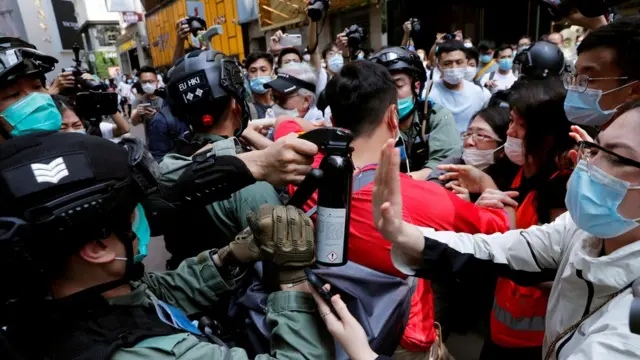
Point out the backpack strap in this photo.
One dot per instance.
(253, 111)
(359, 181)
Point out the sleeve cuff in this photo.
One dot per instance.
(282, 301)
(215, 279)
(402, 261)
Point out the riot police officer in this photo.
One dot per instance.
(428, 131)
(539, 61)
(79, 234)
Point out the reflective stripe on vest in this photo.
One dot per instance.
(534, 323)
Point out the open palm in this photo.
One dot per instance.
(387, 199)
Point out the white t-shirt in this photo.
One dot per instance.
(123, 90)
(504, 82)
(107, 130)
(463, 104)
(323, 79)
(434, 74)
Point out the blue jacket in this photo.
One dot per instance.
(163, 131)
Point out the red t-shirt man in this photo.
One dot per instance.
(424, 204)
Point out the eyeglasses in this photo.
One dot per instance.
(581, 82)
(589, 150)
(479, 137)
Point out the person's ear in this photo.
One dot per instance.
(99, 251)
(418, 84)
(391, 117)
(307, 101)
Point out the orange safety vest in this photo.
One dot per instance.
(484, 70)
(518, 314)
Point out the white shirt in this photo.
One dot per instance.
(107, 130)
(503, 82)
(463, 104)
(323, 79)
(123, 90)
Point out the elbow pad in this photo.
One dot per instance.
(210, 179)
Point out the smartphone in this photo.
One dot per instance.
(318, 286)
(291, 40)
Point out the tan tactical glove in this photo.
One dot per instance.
(286, 237)
(242, 250)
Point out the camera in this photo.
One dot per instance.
(93, 105)
(355, 36)
(560, 9)
(317, 9)
(448, 37)
(81, 83)
(416, 26)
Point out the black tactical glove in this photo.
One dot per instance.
(286, 237)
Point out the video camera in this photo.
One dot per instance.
(416, 26)
(317, 9)
(355, 36)
(77, 70)
(560, 9)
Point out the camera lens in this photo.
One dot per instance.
(316, 10)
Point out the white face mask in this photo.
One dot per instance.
(149, 88)
(481, 159)
(470, 72)
(453, 76)
(515, 150)
(280, 111)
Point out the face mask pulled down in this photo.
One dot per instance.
(142, 230)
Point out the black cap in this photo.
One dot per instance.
(287, 84)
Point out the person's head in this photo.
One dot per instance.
(363, 100)
(70, 120)
(603, 192)
(452, 61)
(607, 73)
(485, 137)
(289, 55)
(472, 56)
(259, 67)
(95, 232)
(556, 38)
(539, 123)
(468, 43)
(504, 56)
(408, 73)
(333, 58)
(25, 105)
(422, 54)
(148, 80)
(524, 42)
(294, 90)
(207, 89)
(486, 49)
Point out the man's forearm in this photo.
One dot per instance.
(122, 126)
(179, 51)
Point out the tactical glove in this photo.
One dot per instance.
(242, 250)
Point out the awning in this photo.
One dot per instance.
(277, 13)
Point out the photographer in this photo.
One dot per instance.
(148, 103)
(25, 104)
(285, 55)
(72, 123)
(88, 290)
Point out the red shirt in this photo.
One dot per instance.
(425, 204)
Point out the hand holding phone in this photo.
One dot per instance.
(318, 286)
(288, 40)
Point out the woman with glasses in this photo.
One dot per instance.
(591, 252)
(483, 144)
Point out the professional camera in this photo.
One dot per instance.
(416, 26)
(317, 9)
(82, 84)
(355, 36)
(560, 9)
(91, 106)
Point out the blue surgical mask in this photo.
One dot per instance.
(405, 106)
(583, 108)
(505, 64)
(336, 63)
(129, 81)
(485, 59)
(593, 198)
(142, 230)
(34, 112)
(360, 56)
(257, 84)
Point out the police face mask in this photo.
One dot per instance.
(34, 112)
(257, 84)
(514, 149)
(142, 230)
(405, 106)
(583, 108)
(336, 62)
(593, 198)
(481, 159)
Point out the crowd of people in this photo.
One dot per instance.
(493, 192)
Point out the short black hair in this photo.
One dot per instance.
(472, 53)
(621, 36)
(327, 48)
(450, 46)
(525, 37)
(257, 55)
(62, 103)
(147, 69)
(486, 45)
(497, 118)
(360, 95)
(288, 50)
(502, 47)
(544, 37)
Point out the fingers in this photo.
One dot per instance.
(573, 155)
(493, 204)
(459, 189)
(302, 147)
(512, 194)
(449, 176)
(323, 308)
(580, 133)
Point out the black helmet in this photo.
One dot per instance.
(540, 60)
(19, 58)
(201, 81)
(400, 59)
